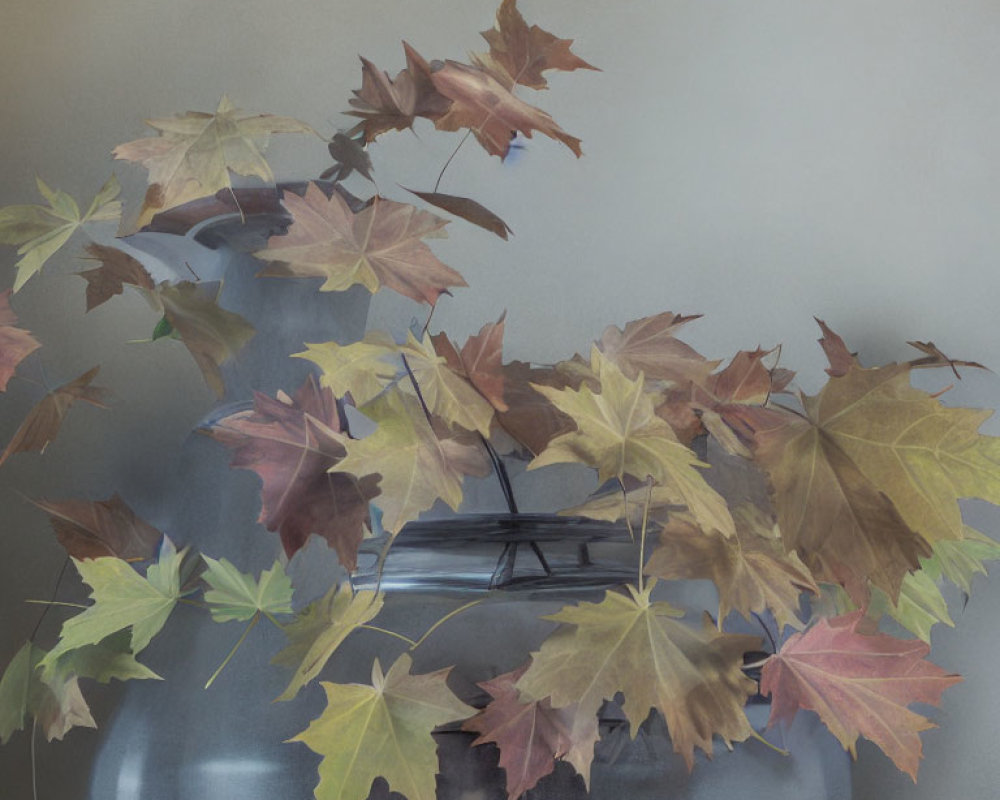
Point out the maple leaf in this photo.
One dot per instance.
(484, 105)
(751, 569)
(110, 659)
(40, 231)
(349, 156)
(619, 434)
(649, 346)
(193, 154)
(841, 359)
(467, 209)
(384, 104)
(525, 53)
(860, 685)
(480, 360)
(16, 344)
(531, 735)
(531, 419)
(614, 505)
(919, 607)
(95, 529)
(122, 599)
(293, 444)
(234, 595)
(362, 369)
(211, 334)
(45, 419)
(632, 645)
(117, 268)
(381, 245)
(382, 730)
(320, 629)
(416, 466)
(959, 560)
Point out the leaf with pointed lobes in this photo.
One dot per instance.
(117, 269)
(629, 644)
(193, 153)
(43, 422)
(619, 434)
(292, 444)
(935, 358)
(525, 53)
(841, 359)
(360, 369)
(480, 361)
(860, 685)
(235, 595)
(16, 344)
(384, 104)
(484, 105)
(379, 246)
(211, 334)
(40, 231)
(649, 346)
(751, 570)
(612, 506)
(416, 466)
(531, 734)
(382, 730)
(920, 605)
(531, 420)
(320, 628)
(467, 209)
(349, 156)
(101, 528)
(960, 560)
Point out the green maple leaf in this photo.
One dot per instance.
(39, 231)
(959, 560)
(320, 629)
(237, 596)
(920, 605)
(122, 599)
(382, 730)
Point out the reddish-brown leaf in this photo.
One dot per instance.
(841, 359)
(532, 735)
(530, 418)
(16, 344)
(467, 209)
(117, 268)
(481, 360)
(42, 424)
(935, 358)
(95, 529)
(648, 345)
(525, 53)
(485, 106)
(292, 444)
(860, 685)
(384, 104)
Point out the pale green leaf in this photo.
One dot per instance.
(237, 596)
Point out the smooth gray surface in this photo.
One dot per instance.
(758, 162)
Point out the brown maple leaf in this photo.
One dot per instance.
(96, 529)
(381, 245)
(16, 344)
(484, 105)
(531, 734)
(841, 359)
(43, 422)
(480, 361)
(117, 268)
(648, 345)
(292, 444)
(525, 53)
(384, 104)
(860, 685)
(531, 419)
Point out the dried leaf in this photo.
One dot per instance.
(531, 419)
(648, 345)
(193, 154)
(349, 156)
(481, 360)
(381, 245)
(935, 358)
(467, 209)
(117, 268)
(43, 422)
(860, 685)
(841, 359)
(16, 344)
(100, 528)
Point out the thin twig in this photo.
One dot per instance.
(642, 535)
(55, 591)
(34, 768)
(770, 638)
(628, 522)
(427, 324)
(443, 620)
(387, 632)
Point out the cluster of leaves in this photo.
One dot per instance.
(850, 496)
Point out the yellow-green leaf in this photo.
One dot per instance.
(237, 596)
(363, 368)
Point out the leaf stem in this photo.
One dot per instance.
(628, 522)
(764, 741)
(453, 154)
(55, 591)
(222, 666)
(645, 524)
(272, 620)
(34, 766)
(387, 632)
(443, 620)
(55, 603)
(755, 664)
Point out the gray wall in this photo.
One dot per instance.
(759, 162)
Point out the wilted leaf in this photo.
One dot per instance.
(632, 645)
(416, 466)
(382, 730)
(525, 53)
(619, 434)
(39, 232)
(481, 360)
(531, 419)
(860, 685)
(194, 153)
(349, 156)
(95, 529)
(320, 629)
(234, 595)
(292, 445)
(16, 344)
(381, 245)
(485, 106)
(648, 345)
(43, 422)
(117, 268)
(210, 333)
(467, 209)
(935, 358)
